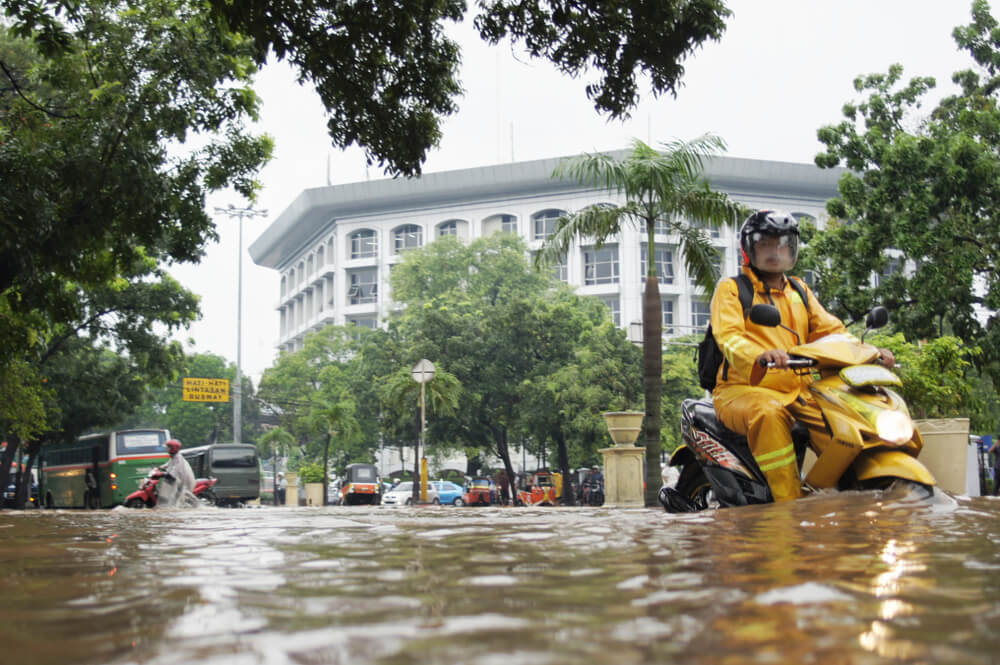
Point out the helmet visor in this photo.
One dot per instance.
(774, 253)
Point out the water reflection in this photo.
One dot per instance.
(834, 578)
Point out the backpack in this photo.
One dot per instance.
(710, 356)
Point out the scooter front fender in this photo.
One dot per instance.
(883, 463)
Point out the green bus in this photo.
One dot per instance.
(99, 470)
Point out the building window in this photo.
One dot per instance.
(449, 228)
(659, 228)
(508, 223)
(709, 231)
(701, 314)
(363, 322)
(363, 244)
(407, 237)
(600, 266)
(612, 304)
(664, 257)
(364, 286)
(668, 316)
(545, 223)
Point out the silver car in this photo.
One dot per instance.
(401, 494)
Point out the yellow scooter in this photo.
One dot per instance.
(869, 440)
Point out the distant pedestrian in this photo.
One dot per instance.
(281, 488)
(995, 450)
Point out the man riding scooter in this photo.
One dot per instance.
(178, 476)
(765, 413)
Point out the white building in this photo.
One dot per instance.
(334, 246)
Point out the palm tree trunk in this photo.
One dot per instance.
(652, 382)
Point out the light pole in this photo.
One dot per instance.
(240, 213)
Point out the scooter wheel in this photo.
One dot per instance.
(693, 485)
(208, 498)
(135, 503)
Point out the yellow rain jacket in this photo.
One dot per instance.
(742, 341)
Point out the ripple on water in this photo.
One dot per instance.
(837, 578)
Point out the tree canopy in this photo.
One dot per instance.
(916, 224)
(387, 73)
(115, 120)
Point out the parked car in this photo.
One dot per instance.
(11, 490)
(401, 494)
(333, 493)
(449, 492)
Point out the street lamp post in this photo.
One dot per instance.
(239, 213)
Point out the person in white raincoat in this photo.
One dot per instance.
(177, 485)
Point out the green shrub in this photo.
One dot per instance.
(311, 473)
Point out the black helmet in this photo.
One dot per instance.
(774, 223)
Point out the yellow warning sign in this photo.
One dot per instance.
(206, 390)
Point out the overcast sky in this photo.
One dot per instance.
(782, 70)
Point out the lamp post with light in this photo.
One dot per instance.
(241, 214)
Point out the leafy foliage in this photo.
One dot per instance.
(663, 188)
(103, 187)
(387, 73)
(918, 206)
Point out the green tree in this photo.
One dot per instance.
(563, 399)
(102, 184)
(333, 416)
(506, 332)
(442, 395)
(275, 443)
(387, 73)
(917, 209)
(660, 188)
(680, 382)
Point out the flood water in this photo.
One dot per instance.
(835, 578)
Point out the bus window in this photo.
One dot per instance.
(132, 443)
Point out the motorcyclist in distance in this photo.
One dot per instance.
(178, 480)
(765, 413)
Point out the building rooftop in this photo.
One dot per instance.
(315, 209)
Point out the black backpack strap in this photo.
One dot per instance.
(800, 289)
(745, 287)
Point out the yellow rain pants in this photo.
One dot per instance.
(766, 413)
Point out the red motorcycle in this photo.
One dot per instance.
(146, 496)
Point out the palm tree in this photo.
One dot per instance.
(400, 392)
(274, 443)
(666, 189)
(334, 418)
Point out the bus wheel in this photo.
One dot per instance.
(136, 503)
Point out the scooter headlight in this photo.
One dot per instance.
(894, 427)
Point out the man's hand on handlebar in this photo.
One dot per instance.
(886, 358)
(778, 357)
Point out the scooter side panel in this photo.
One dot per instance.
(883, 463)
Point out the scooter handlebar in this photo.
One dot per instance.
(792, 362)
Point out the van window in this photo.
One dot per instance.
(223, 458)
(363, 473)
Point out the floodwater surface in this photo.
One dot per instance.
(834, 578)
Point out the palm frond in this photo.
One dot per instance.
(598, 221)
(699, 258)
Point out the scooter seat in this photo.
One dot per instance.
(704, 418)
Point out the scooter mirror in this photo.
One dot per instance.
(765, 315)
(878, 317)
